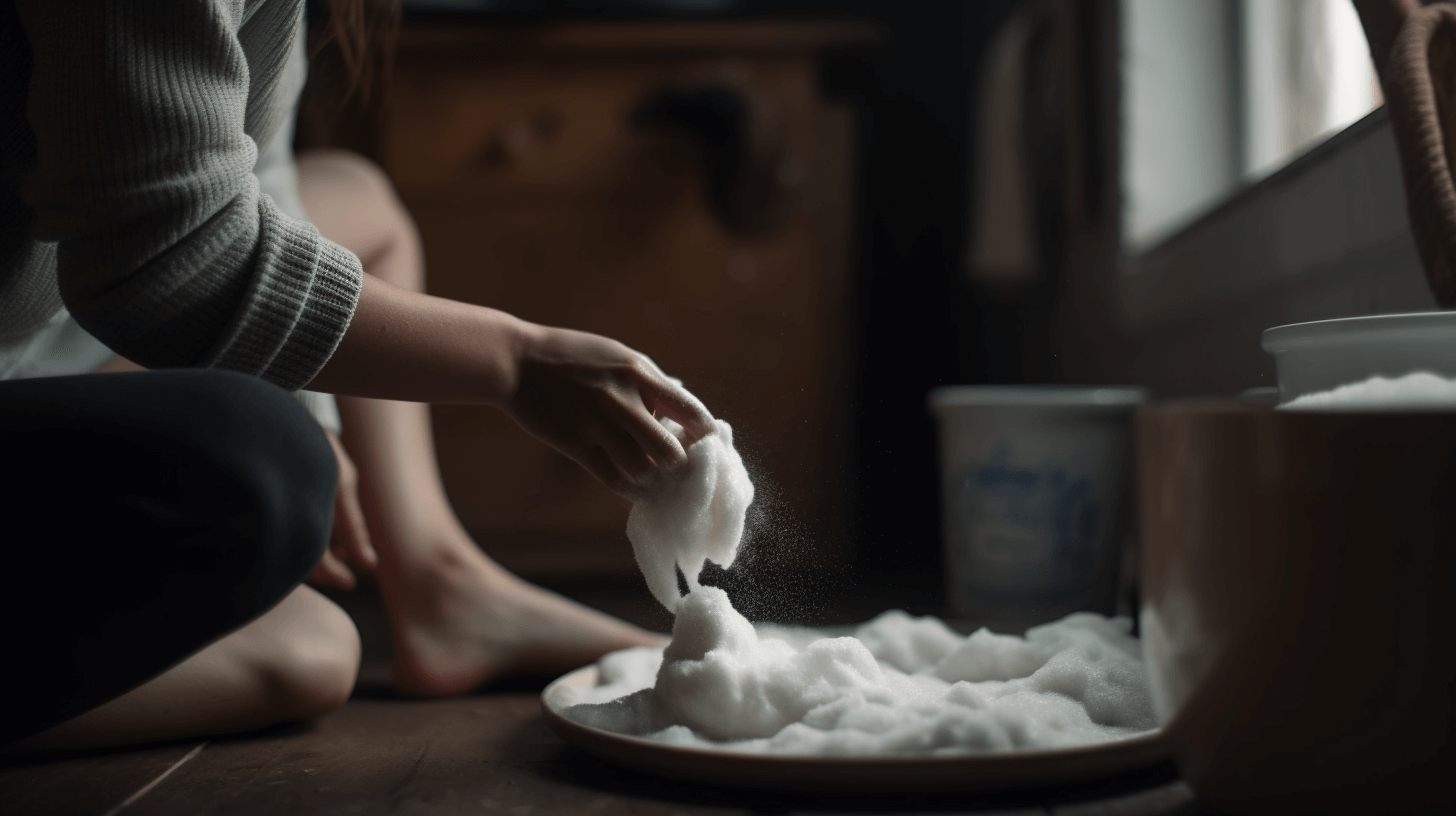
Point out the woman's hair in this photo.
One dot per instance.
(361, 35)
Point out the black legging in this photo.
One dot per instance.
(143, 516)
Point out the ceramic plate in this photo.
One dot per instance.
(976, 772)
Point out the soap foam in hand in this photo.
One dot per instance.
(696, 515)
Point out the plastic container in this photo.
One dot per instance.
(1036, 488)
(1325, 354)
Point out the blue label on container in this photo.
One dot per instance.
(1025, 528)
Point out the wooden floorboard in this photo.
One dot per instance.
(84, 785)
(482, 754)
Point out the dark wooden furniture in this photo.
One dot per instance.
(680, 187)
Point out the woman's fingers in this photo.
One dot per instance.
(349, 539)
(600, 463)
(661, 448)
(640, 449)
(626, 453)
(331, 572)
(350, 532)
(663, 397)
(659, 443)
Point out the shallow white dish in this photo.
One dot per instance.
(972, 772)
(1326, 354)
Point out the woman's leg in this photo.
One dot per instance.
(148, 515)
(459, 618)
(299, 660)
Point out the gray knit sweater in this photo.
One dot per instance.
(128, 135)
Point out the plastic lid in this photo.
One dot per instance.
(1367, 329)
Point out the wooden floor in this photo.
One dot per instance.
(486, 753)
(489, 753)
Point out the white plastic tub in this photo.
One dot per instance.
(1036, 488)
(1326, 354)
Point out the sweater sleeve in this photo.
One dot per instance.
(166, 250)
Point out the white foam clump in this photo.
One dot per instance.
(1415, 391)
(900, 685)
(696, 517)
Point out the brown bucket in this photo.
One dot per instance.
(1299, 614)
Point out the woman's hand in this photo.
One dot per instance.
(349, 541)
(595, 400)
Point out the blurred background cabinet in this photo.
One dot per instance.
(683, 188)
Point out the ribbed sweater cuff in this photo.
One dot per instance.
(298, 304)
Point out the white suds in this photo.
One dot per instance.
(901, 685)
(1417, 391)
(698, 516)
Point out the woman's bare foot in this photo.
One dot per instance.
(462, 621)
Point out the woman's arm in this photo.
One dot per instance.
(145, 116)
(589, 397)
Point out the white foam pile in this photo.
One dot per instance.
(696, 517)
(1421, 390)
(900, 685)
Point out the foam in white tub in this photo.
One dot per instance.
(1416, 391)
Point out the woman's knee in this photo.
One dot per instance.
(353, 202)
(346, 170)
(274, 470)
(307, 655)
(259, 477)
(223, 471)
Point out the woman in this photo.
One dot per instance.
(128, 192)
